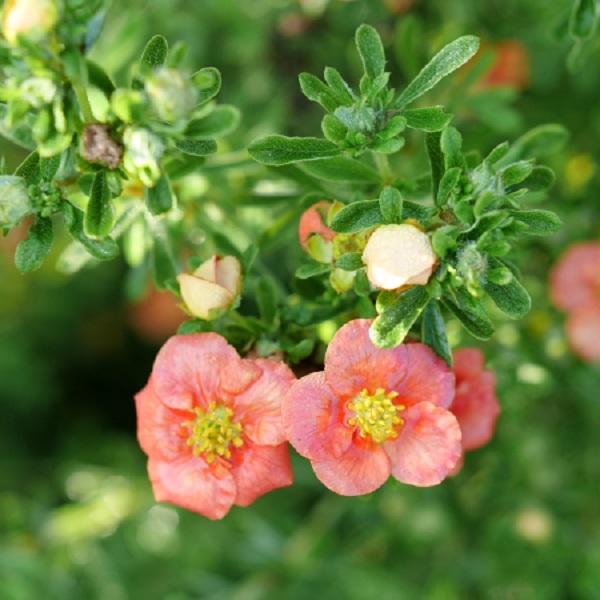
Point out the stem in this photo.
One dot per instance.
(383, 166)
(84, 101)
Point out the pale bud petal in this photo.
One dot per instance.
(28, 17)
(399, 255)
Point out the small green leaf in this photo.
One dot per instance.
(512, 299)
(351, 261)
(470, 312)
(164, 270)
(276, 150)
(539, 222)
(541, 179)
(516, 173)
(436, 159)
(155, 53)
(444, 239)
(29, 169)
(497, 153)
(311, 270)
(207, 82)
(370, 49)
(341, 169)
(448, 185)
(99, 216)
(49, 167)
(584, 17)
(432, 118)
(32, 251)
(539, 142)
(333, 129)
(357, 216)
(447, 60)
(391, 327)
(433, 332)
(343, 92)
(451, 144)
(394, 127)
(219, 122)
(266, 298)
(104, 249)
(98, 78)
(314, 89)
(390, 204)
(195, 147)
(159, 199)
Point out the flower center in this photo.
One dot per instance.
(376, 415)
(213, 432)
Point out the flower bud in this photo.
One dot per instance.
(399, 255)
(38, 91)
(172, 96)
(314, 235)
(212, 288)
(342, 281)
(15, 203)
(34, 18)
(142, 155)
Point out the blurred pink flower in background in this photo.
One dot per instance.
(373, 413)
(210, 423)
(575, 288)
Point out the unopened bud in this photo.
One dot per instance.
(212, 288)
(172, 96)
(33, 18)
(143, 151)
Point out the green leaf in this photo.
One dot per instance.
(311, 270)
(497, 153)
(155, 53)
(433, 332)
(351, 261)
(451, 144)
(470, 312)
(276, 150)
(314, 89)
(541, 179)
(390, 204)
(516, 173)
(370, 49)
(266, 298)
(539, 222)
(343, 92)
(341, 169)
(159, 199)
(220, 122)
(99, 216)
(357, 216)
(432, 118)
(32, 251)
(436, 159)
(333, 129)
(164, 270)
(29, 169)
(391, 327)
(539, 142)
(49, 167)
(195, 147)
(448, 185)
(408, 44)
(444, 239)
(105, 249)
(98, 78)
(512, 299)
(584, 17)
(207, 82)
(447, 60)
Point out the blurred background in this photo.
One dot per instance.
(522, 519)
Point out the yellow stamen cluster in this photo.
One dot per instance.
(213, 432)
(376, 415)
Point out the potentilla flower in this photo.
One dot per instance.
(475, 404)
(314, 235)
(583, 332)
(33, 18)
(213, 287)
(210, 424)
(510, 68)
(374, 412)
(399, 255)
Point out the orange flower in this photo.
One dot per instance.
(210, 424)
(510, 67)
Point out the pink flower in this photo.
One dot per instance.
(374, 412)
(312, 223)
(475, 404)
(210, 424)
(575, 288)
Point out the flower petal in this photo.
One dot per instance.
(204, 299)
(468, 362)
(362, 469)
(159, 427)
(313, 419)
(428, 378)
(428, 446)
(198, 368)
(583, 331)
(575, 280)
(259, 406)
(354, 363)
(311, 223)
(262, 469)
(476, 408)
(192, 484)
(229, 274)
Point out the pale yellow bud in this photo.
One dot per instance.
(212, 288)
(399, 255)
(34, 18)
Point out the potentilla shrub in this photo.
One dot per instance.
(389, 258)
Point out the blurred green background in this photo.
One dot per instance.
(522, 519)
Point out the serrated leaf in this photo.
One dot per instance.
(390, 204)
(219, 122)
(370, 49)
(99, 215)
(342, 169)
(432, 118)
(311, 270)
(159, 199)
(391, 327)
(539, 222)
(195, 147)
(155, 53)
(32, 251)
(512, 299)
(447, 60)
(276, 150)
(433, 332)
(471, 313)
